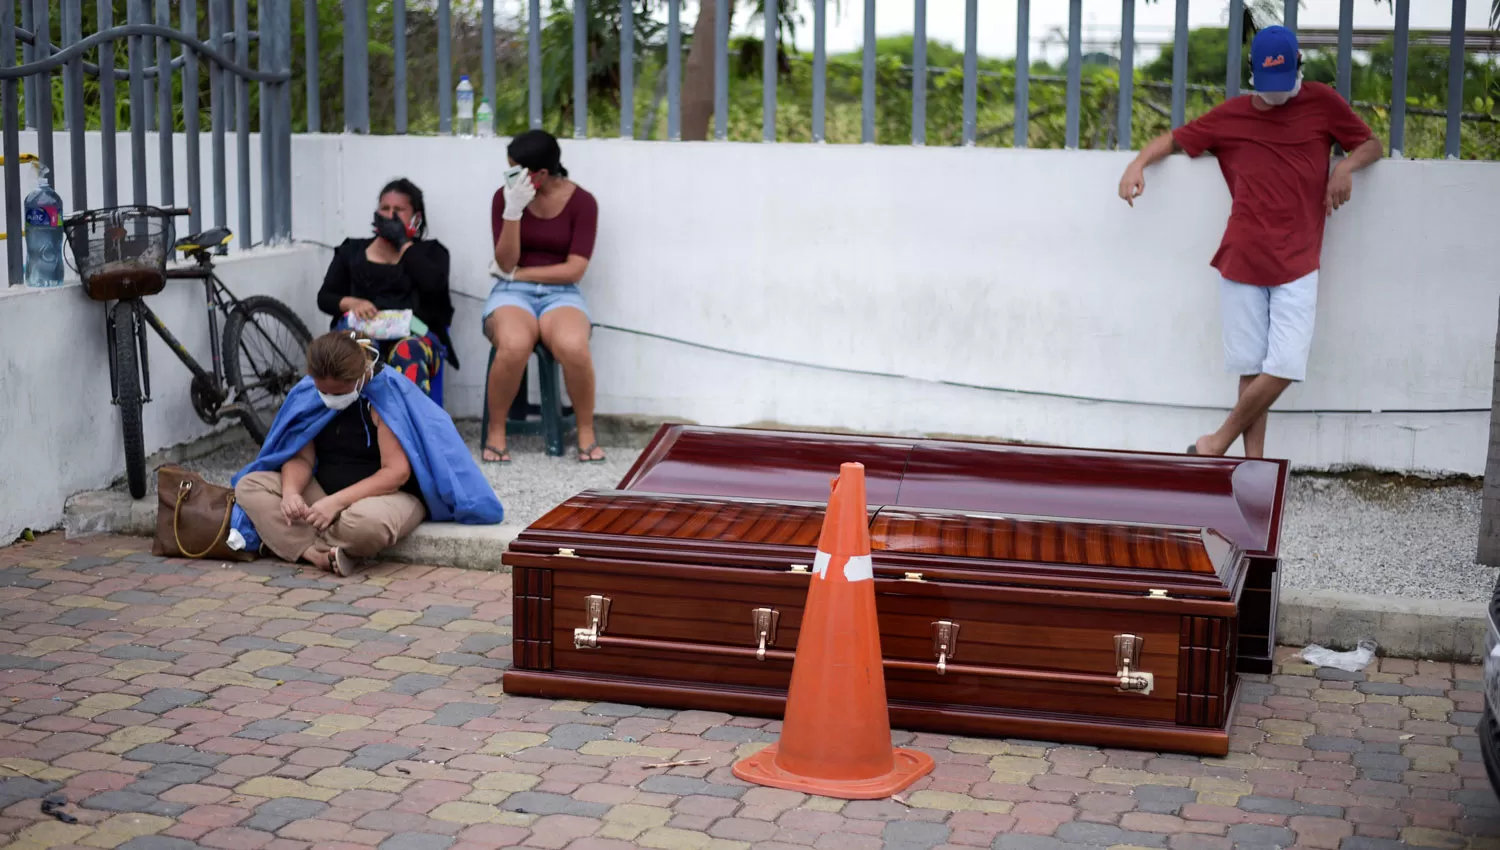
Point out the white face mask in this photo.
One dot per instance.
(1277, 98)
(338, 402)
(342, 402)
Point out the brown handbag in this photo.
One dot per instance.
(192, 517)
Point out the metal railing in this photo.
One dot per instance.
(151, 104)
(357, 93)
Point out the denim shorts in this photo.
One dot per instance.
(534, 298)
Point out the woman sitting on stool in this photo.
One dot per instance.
(356, 459)
(396, 270)
(543, 225)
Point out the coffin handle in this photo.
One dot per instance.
(764, 621)
(944, 643)
(597, 610)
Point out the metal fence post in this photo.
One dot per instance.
(42, 33)
(356, 67)
(398, 14)
(445, 66)
(1455, 79)
(919, 75)
(310, 47)
(867, 88)
(1023, 73)
(971, 71)
(1179, 65)
(108, 169)
(674, 73)
(139, 13)
(11, 145)
(1235, 58)
(190, 115)
(534, 62)
(218, 14)
(73, 110)
(487, 32)
(627, 69)
(580, 69)
(165, 119)
(1398, 83)
(242, 120)
(1075, 72)
(1124, 113)
(820, 70)
(1346, 49)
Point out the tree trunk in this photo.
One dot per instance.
(698, 77)
(1489, 516)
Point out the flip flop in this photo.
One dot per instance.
(340, 563)
(1192, 449)
(585, 454)
(503, 453)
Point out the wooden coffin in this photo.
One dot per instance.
(1238, 498)
(1102, 633)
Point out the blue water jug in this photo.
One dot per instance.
(44, 236)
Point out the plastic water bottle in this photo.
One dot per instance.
(485, 120)
(44, 236)
(463, 121)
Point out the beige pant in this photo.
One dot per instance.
(362, 530)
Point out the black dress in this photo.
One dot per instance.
(417, 282)
(348, 452)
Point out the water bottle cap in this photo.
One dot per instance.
(463, 77)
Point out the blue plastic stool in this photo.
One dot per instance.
(554, 418)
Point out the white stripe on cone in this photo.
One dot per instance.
(856, 568)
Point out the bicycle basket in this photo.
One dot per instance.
(120, 252)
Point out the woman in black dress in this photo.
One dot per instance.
(396, 269)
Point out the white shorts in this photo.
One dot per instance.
(1268, 330)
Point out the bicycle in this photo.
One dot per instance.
(120, 254)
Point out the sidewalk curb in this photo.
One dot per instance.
(1427, 629)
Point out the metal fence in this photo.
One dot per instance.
(151, 103)
(357, 94)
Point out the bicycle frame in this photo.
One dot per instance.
(217, 298)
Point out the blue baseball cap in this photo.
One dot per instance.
(1273, 60)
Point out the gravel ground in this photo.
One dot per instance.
(1370, 534)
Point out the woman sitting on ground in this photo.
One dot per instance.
(543, 225)
(357, 458)
(398, 276)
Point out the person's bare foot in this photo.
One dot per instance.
(1205, 446)
(316, 557)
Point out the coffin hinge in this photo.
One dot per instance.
(566, 553)
(765, 621)
(1127, 666)
(800, 568)
(912, 577)
(1157, 594)
(596, 609)
(944, 643)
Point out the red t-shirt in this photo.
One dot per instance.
(1276, 162)
(549, 241)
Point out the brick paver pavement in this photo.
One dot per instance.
(181, 704)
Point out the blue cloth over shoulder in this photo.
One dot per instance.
(452, 485)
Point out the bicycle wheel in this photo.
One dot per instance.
(265, 355)
(128, 395)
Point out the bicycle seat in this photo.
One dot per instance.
(204, 240)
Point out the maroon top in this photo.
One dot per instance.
(1276, 164)
(549, 241)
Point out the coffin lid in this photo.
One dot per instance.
(993, 549)
(1239, 498)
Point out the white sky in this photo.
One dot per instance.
(1101, 20)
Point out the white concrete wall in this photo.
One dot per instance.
(994, 268)
(59, 433)
(997, 268)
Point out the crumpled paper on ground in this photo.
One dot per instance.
(1352, 661)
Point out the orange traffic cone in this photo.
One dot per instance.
(836, 732)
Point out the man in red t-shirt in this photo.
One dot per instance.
(1274, 148)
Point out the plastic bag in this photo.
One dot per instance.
(386, 325)
(1352, 661)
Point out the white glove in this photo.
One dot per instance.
(517, 196)
(495, 267)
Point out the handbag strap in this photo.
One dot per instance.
(182, 491)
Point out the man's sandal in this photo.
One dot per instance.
(586, 455)
(340, 563)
